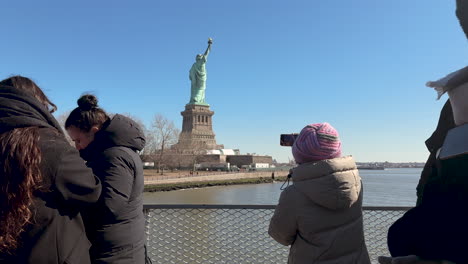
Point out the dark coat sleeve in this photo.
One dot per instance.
(74, 180)
(116, 171)
(283, 224)
(436, 140)
(429, 172)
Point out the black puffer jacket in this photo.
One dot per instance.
(436, 229)
(57, 234)
(115, 226)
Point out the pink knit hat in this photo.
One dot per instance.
(316, 142)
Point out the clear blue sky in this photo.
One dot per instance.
(275, 66)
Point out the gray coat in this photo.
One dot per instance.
(320, 215)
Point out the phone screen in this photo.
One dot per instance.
(288, 139)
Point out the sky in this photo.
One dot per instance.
(275, 66)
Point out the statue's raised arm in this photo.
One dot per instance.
(197, 77)
(208, 49)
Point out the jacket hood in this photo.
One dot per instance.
(120, 131)
(332, 183)
(21, 109)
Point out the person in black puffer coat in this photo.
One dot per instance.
(44, 183)
(115, 225)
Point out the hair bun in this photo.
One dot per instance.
(87, 102)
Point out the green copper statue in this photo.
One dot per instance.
(197, 76)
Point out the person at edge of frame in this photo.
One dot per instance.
(44, 183)
(434, 231)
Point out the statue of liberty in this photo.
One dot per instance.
(197, 76)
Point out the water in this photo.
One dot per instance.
(389, 187)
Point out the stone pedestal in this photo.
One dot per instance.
(197, 130)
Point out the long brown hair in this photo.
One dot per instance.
(21, 176)
(20, 159)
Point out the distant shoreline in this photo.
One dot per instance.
(371, 168)
(201, 184)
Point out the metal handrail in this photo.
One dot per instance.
(255, 206)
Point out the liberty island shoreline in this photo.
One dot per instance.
(177, 182)
(183, 180)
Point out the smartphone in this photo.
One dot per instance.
(288, 139)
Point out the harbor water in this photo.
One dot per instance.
(389, 187)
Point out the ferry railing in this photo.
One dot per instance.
(183, 233)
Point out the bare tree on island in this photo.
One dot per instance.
(195, 151)
(159, 137)
(166, 135)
